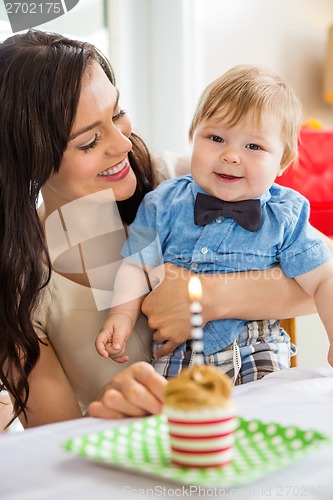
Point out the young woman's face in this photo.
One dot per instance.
(239, 162)
(96, 154)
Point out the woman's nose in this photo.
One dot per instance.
(119, 142)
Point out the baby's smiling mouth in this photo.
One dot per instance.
(227, 177)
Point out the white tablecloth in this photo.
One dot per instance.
(33, 465)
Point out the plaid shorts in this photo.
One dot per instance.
(262, 347)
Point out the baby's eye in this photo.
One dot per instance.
(254, 147)
(91, 144)
(216, 138)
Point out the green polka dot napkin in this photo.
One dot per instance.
(143, 446)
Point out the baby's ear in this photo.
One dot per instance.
(285, 165)
(281, 170)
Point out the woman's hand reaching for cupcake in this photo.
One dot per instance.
(137, 391)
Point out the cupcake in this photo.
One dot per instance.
(201, 417)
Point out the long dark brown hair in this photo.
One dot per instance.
(41, 76)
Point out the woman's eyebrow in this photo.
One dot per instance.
(92, 125)
(83, 130)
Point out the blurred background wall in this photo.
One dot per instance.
(165, 53)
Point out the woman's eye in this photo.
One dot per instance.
(91, 145)
(254, 147)
(216, 138)
(119, 115)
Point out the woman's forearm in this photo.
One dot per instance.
(250, 295)
(266, 294)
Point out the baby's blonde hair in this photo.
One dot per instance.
(252, 89)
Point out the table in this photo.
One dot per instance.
(33, 465)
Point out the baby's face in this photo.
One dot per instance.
(238, 162)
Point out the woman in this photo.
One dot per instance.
(63, 133)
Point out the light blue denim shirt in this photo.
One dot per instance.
(284, 237)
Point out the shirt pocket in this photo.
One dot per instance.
(244, 254)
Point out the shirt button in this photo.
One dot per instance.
(204, 250)
(219, 219)
(194, 265)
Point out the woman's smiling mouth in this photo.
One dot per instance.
(117, 172)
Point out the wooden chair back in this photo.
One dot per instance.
(290, 326)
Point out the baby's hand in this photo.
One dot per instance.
(111, 340)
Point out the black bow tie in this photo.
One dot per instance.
(246, 213)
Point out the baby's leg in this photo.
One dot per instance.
(226, 361)
(170, 366)
(264, 348)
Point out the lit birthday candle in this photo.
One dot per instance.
(195, 293)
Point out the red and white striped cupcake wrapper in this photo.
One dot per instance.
(201, 438)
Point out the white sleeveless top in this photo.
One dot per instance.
(68, 317)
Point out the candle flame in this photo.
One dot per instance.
(194, 288)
